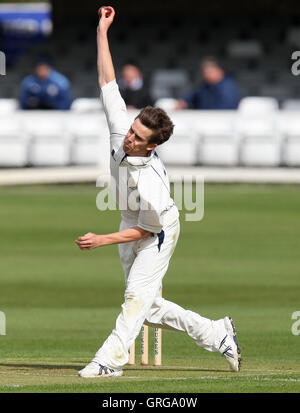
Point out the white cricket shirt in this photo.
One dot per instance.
(142, 184)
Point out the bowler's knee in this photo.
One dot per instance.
(158, 303)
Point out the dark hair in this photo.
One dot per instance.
(159, 122)
(44, 59)
(210, 61)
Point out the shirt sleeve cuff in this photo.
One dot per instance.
(108, 86)
(152, 229)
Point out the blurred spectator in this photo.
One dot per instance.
(133, 89)
(218, 90)
(45, 89)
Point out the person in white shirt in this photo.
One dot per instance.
(148, 232)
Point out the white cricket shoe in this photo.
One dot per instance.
(229, 346)
(94, 369)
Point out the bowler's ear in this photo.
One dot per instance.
(151, 147)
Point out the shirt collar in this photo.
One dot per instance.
(138, 160)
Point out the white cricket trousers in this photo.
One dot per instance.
(145, 263)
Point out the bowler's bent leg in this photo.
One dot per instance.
(205, 332)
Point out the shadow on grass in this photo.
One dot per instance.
(42, 366)
(126, 368)
(173, 368)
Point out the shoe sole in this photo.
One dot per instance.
(92, 376)
(232, 331)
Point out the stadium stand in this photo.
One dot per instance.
(264, 131)
(8, 106)
(86, 105)
(167, 83)
(49, 143)
(260, 143)
(167, 104)
(291, 152)
(13, 151)
(291, 104)
(219, 144)
(14, 143)
(89, 145)
(182, 148)
(254, 105)
(256, 53)
(223, 138)
(245, 49)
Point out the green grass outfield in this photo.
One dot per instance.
(242, 259)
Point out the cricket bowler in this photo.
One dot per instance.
(148, 233)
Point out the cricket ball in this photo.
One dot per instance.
(106, 10)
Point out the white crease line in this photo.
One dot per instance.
(274, 371)
(185, 378)
(163, 368)
(210, 377)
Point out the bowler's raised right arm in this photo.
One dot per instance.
(113, 104)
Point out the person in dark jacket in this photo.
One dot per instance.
(45, 89)
(133, 89)
(218, 90)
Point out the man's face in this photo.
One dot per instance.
(130, 73)
(136, 140)
(212, 74)
(42, 71)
